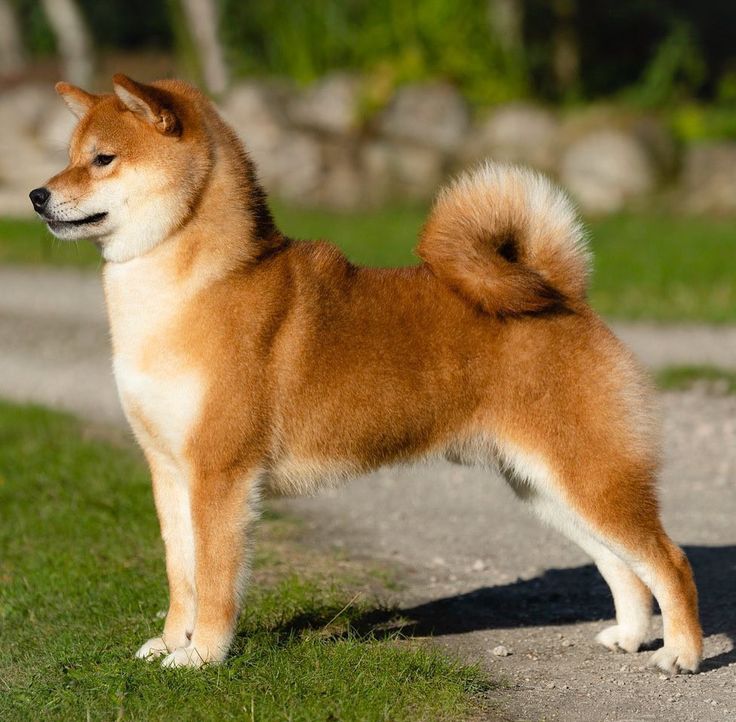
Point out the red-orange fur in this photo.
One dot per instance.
(314, 367)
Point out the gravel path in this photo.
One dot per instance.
(481, 572)
(478, 571)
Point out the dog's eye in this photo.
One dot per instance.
(103, 159)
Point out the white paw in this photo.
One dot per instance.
(672, 660)
(184, 657)
(152, 649)
(617, 638)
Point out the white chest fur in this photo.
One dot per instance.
(160, 391)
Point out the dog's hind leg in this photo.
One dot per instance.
(617, 523)
(665, 569)
(171, 495)
(631, 597)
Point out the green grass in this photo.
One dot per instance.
(709, 378)
(665, 268)
(82, 583)
(28, 242)
(647, 266)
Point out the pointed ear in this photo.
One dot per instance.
(148, 103)
(78, 101)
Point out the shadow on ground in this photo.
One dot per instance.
(557, 597)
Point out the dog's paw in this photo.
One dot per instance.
(618, 638)
(152, 649)
(673, 660)
(186, 657)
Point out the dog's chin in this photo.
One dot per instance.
(71, 230)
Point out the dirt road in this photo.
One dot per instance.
(477, 571)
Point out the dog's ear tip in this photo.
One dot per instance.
(62, 87)
(122, 80)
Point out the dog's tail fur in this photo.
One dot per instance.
(508, 240)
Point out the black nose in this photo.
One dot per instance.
(39, 197)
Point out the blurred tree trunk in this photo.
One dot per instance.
(565, 48)
(507, 21)
(72, 38)
(202, 22)
(12, 57)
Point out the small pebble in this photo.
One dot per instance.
(500, 651)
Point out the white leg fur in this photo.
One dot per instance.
(633, 602)
(152, 649)
(534, 484)
(172, 504)
(630, 597)
(626, 572)
(208, 646)
(186, 657)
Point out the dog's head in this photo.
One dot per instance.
(137, 162)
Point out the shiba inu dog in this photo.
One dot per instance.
(246, 360)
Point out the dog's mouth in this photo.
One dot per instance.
(86, 221)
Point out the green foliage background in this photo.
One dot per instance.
(676, 56)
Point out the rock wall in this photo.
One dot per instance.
(320, 146)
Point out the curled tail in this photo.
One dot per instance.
(508, 240)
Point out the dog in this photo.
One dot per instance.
(248, 361)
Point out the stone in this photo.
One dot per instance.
(24, 165)
(708, 181)
(342, 183)
(330, 106)
(658, 141)
(23, 107)
(605, 169)
(431, 114)
(256, 112)
(401, 171)
(256, 101)
(289, 161)
(516, 133)
(55, 130)
(500, 651)
(292, 168)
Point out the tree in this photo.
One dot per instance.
(202, 20)
(73, 40)
(12, 57)
(565, 48)
(507, 21)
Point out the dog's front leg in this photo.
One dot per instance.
(171, 494)
(221, 511)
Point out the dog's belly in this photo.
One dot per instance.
(297, 474)
(301, 473)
